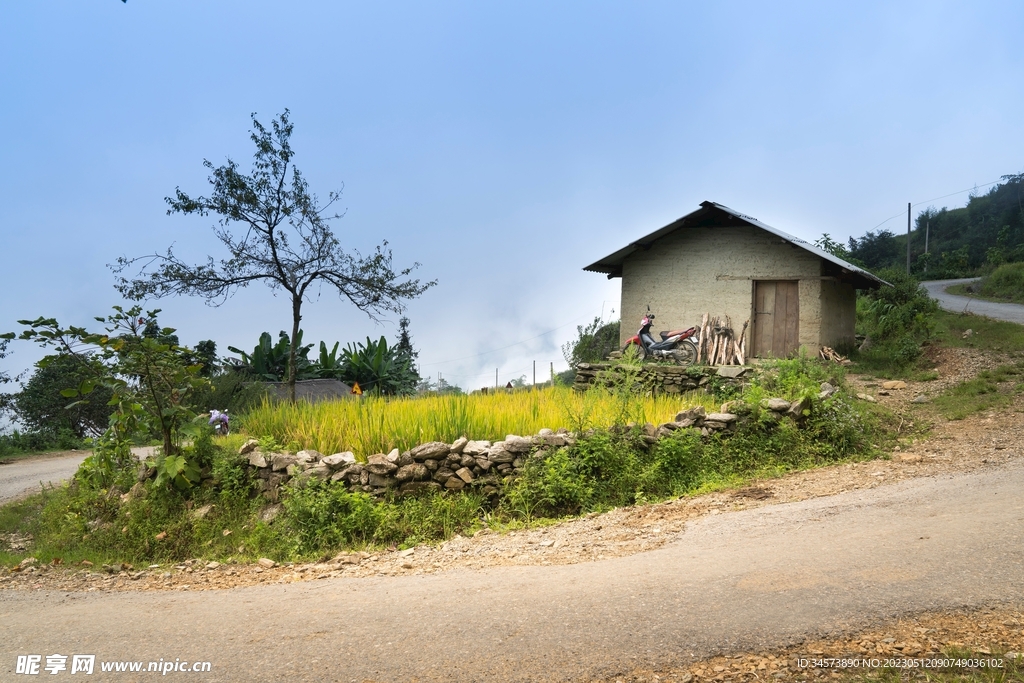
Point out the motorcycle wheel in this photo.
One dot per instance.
(641, 353)
(685, 354)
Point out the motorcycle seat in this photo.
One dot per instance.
(670, 333)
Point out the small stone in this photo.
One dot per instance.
(459, 444)
(200, 513)
(545, 432)
(430, 451)
(967, 333)
(249, 446)
(894, 384)
(380, 481)
(412, 472)
(920, 399)
(464, 474)
(518, 444)
(394, 456)
(407, 565)
(454, 483)
(866, 397)
(726, 418)
(256, 459)
(161, 536)
(309, 456)
(475, 448)
(731, 371)
(270, 513)
(212, 565)
(281, 461)
(339, 461)
(778, 405)
(28, 562)
(380, 465)
(696, 414)
(266, 563)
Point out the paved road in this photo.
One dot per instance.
(737, 581)
(1013, 313)
(22, 477)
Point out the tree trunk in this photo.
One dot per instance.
(293, 350)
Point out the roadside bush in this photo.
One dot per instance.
(897, 321)
(1006, 283)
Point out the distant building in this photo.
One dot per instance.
(312, 390)
(719, 261)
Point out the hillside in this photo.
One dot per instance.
(988, 231)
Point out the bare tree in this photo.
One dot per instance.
(276, 232)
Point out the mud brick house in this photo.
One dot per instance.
(719, 261)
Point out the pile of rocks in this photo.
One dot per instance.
(434, 465)
(659, 377)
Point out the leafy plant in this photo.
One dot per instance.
(378, 368)
(150, 384)
(269, 361)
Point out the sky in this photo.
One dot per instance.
(501, 145)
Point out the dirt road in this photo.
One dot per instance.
(745, 580)
(22, 477)
(1013, 313)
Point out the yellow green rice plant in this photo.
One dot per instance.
(376, 425)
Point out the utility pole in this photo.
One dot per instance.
(552, 373)
(908, 238)
(495, 378)
(927, 229)
(535, 375)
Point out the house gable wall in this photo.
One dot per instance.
(697, 270)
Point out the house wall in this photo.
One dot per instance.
(712, 270)
(839, 313)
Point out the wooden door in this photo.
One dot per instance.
(776, 318)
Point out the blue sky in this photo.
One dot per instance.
(502, 145)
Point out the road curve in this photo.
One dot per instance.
(21, 477)
(738, 581)
(1013, 313)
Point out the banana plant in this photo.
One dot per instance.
(269, 361)
(378, 368)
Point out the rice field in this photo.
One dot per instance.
(376, 425)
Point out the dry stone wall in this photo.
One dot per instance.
(480, 465)
(662, 378)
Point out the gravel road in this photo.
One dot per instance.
(22, 477)
(1013, 313)
(739, 581)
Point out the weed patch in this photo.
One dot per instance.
(989, 390)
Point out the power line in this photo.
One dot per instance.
(951, 194)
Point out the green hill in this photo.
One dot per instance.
(986, 233)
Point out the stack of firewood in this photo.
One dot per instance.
(719, 344)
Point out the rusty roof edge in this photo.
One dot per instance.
(612, 262)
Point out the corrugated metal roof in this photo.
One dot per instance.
(612, 264)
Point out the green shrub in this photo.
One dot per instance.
(1005, 283)
(897, 320)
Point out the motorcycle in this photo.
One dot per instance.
(219, 422)
(678, 346)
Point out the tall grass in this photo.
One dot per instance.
(376, 425)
